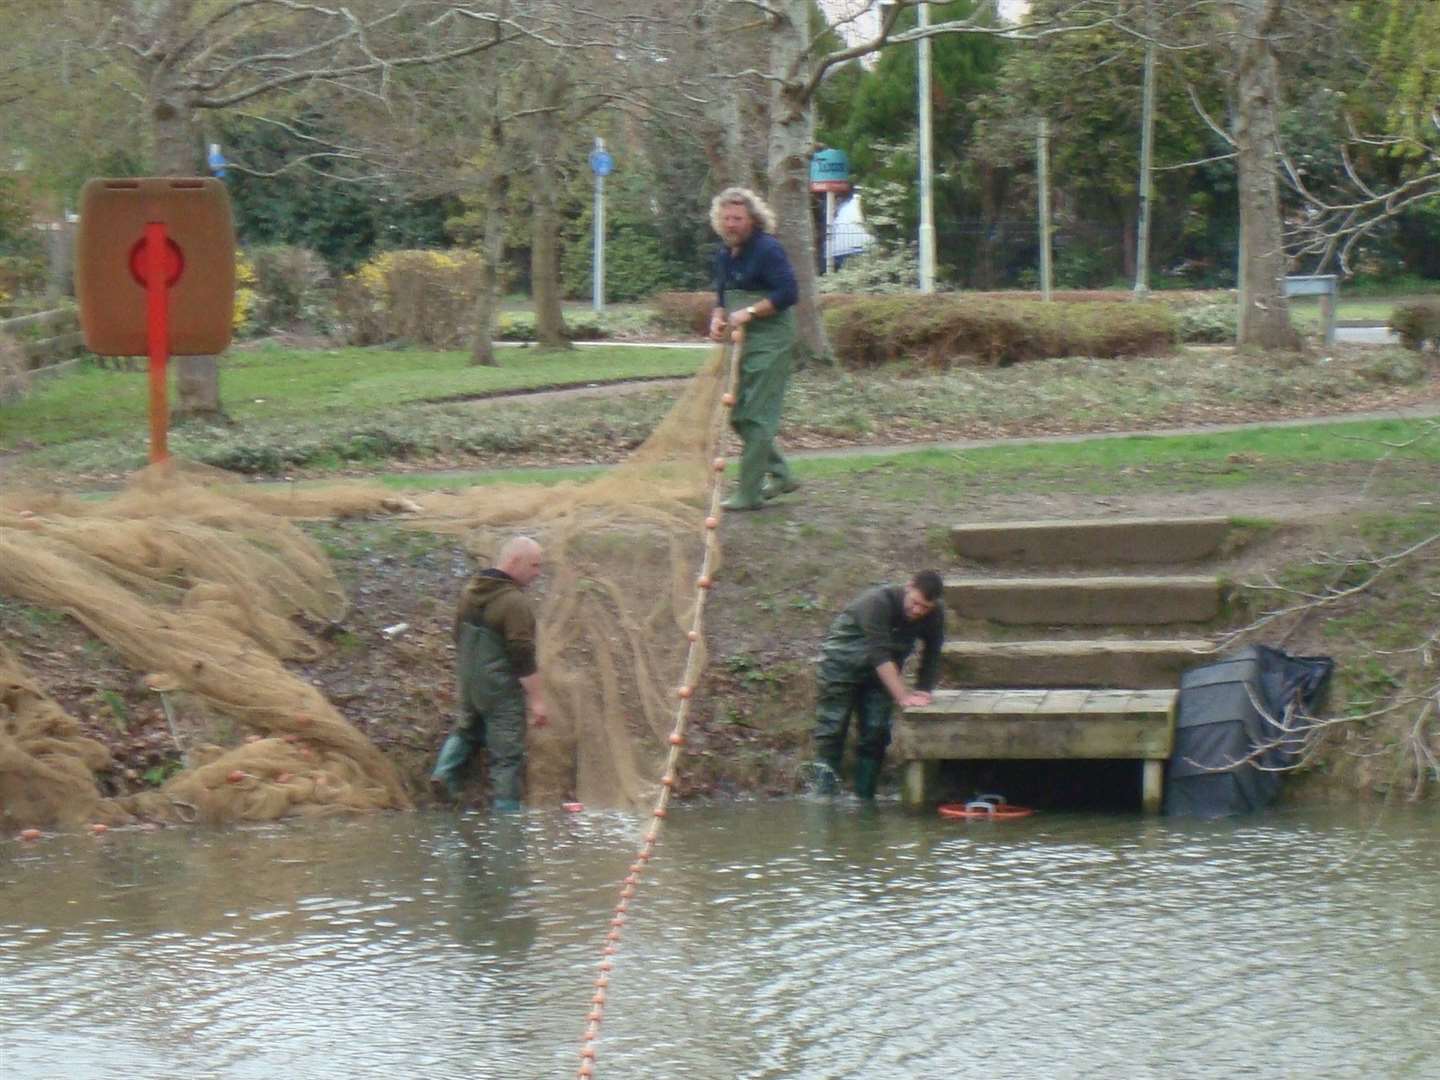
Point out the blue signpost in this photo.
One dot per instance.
(602, 165)
(830, 173)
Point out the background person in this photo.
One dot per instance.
(755, 290)
(499, 681)
(859, 673)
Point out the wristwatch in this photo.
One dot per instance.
(750, 311)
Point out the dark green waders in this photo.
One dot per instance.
(764, 373)
(845, 688)
(492, 709)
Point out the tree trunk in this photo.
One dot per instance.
(175, 151)
(1264, 310)
(545, 288)
(550, 330)
(792, 139)
(492, 244)
(487, 305)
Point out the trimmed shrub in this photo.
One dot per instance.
(684, 312)
(947, 330)
(1418, 323)
(423, 297)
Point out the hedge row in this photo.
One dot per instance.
(964, 329)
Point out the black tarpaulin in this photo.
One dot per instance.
(1239, 719)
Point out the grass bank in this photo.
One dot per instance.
(342, 411)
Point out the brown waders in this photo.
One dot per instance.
(764, 373)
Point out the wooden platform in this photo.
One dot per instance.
(1036, 724)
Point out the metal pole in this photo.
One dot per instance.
(599, 300)
(1042, 153)
(1147, 149)
(927, 202)
(829, 232)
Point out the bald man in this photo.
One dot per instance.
(498, 677)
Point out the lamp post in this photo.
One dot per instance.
(927, 202)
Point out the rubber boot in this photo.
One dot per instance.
(447, 781)
(867, 777)
(824, 780)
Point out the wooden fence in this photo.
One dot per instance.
(48, 338)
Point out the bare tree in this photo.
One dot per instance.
(181, 58)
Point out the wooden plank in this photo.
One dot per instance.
(1036, 738)
(57, 316)
(1152, 779)
(918, 783)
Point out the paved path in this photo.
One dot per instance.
(1366, 335)
(1416, 412)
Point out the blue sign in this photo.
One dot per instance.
(601, 163)
(216, 161)
(829, 165)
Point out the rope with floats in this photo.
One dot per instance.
(684, 692)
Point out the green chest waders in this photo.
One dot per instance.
(492, 714)
(765, 366)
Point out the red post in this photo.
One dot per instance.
(157, 311)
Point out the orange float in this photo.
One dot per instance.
(989, 809)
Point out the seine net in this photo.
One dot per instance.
(208, 587)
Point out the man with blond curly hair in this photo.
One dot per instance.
(755, 291)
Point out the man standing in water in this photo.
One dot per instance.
(755, 291)
(498, 677)
(859, 673)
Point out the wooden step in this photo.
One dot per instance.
(1038, 724)
(1143, 664)
(1092, 541)
(1085, 601)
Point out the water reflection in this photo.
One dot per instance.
(768, 940)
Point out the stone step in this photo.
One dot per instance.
(1085, 601)
(1092, 541)
(1145, 664)
(1038, 725)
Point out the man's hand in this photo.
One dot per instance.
(539, 717)
(717, 327)
(916, 699)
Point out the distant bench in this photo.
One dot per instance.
(1325, 286)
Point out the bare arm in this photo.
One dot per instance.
(889, 674)
(535, 699)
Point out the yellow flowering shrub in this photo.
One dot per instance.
(245, 293)
(423, 297)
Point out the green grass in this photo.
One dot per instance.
(274, 385)
(1361, 441)
(911, 475)
(1305, 310)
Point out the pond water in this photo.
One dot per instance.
(778, 939)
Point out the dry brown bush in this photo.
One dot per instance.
(684, 312)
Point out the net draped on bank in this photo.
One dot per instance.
(207, 587)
